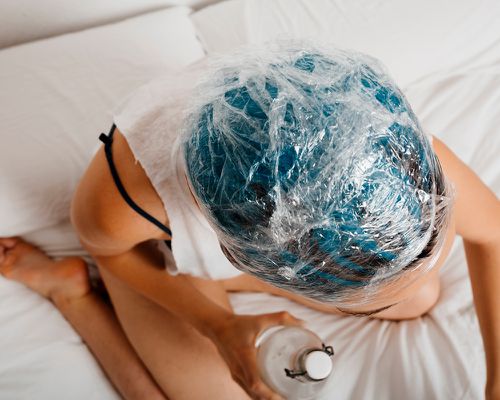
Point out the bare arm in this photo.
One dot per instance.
(477, 215)
(146, 275)
(118, 238)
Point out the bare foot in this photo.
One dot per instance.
(65, 279)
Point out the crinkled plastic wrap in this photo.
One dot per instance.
(314, 172)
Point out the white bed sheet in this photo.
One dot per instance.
(437, 357)
(41, 356)
(57, 95)
(446, 57)
(413, 38)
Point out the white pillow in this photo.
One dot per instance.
(412, 38)
(22, 21)
(57, 96)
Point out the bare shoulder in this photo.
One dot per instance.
(476, 208)
(105, 223)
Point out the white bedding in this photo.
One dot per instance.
(446, 57)
(437, 357)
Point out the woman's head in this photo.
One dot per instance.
(314, 172)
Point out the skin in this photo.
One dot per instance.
(190, 320)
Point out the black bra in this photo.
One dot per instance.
(108, 141)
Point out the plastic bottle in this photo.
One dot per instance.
(294, 362)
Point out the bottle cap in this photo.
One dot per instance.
(318, 364)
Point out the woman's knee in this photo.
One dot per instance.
(417, 306)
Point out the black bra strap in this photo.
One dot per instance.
(108, 140)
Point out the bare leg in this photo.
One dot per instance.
(416, 306)
(65, 282)
(186, 365)
(247, 283)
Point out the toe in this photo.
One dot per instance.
(9, 242)
(5, 265)
(4, 251)
(8, 260)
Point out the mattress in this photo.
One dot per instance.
(438, 356)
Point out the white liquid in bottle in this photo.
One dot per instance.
(294, 362)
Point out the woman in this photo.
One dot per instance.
(292, 170)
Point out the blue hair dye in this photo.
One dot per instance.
(311, 161)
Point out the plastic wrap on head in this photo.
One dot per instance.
(314, 172)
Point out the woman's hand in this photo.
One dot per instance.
(235, 340)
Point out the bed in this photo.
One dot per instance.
(57, 96)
